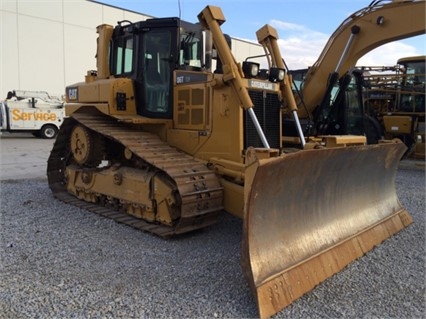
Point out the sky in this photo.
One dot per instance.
(304, 26)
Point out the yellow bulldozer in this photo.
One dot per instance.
(158, 140)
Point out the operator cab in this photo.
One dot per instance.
(148, 52)
(413, 84)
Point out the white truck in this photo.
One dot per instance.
(33, 112)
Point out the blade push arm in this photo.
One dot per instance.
(267, 37)
(211, 18)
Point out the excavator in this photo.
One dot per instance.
(158, 140)
(339, 109)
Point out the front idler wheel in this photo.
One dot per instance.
(86, 146)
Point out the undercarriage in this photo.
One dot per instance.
(132, 176)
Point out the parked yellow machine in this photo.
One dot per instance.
(395, 98)
(158, 140)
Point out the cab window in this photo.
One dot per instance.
(124, 56)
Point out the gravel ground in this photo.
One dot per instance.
(58, 261)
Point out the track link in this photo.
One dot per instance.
(200, 191)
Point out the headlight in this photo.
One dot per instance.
(276, 75)
(250, 69)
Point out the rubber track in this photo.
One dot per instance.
(179, 166)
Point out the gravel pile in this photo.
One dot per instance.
(58, 261)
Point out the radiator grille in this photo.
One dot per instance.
(267, 110)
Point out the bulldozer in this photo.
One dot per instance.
(158, 140)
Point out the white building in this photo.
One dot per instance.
(49, 44)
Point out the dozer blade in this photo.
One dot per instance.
(311, 213)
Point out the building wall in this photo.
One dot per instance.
(49, 44)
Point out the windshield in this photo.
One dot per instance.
(157, 70)
(190, 50)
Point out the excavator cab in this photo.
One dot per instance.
(341, 111)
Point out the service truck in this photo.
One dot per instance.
(33, 112)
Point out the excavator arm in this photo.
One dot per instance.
(379, 23)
